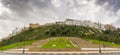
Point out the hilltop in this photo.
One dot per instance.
(56, 30)
(69, 28)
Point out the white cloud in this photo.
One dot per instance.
(118, 12)
(56, 3)
(56, 11)
(3, 9)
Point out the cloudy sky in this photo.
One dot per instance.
(17, 13)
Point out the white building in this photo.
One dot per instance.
(84, 23)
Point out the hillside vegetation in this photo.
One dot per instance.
(64, 31)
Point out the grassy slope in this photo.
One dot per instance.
(20, 44)
(58, 43)
(105, 43)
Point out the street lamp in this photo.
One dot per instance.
(23, 41)
(99, 47)
(23, 47)
(99, 27)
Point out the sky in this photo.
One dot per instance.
(19, 13)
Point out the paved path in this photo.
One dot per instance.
(58, 54)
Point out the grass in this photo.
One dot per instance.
(16, 45)
(58, 43)
(106, 43)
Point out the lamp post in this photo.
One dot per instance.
(23, 47)
(99, 47)
(99, 27)
(23, 41)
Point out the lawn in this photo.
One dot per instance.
(58, 43)
(20, 44)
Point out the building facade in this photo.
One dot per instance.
(32, 25)
(87, 23)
